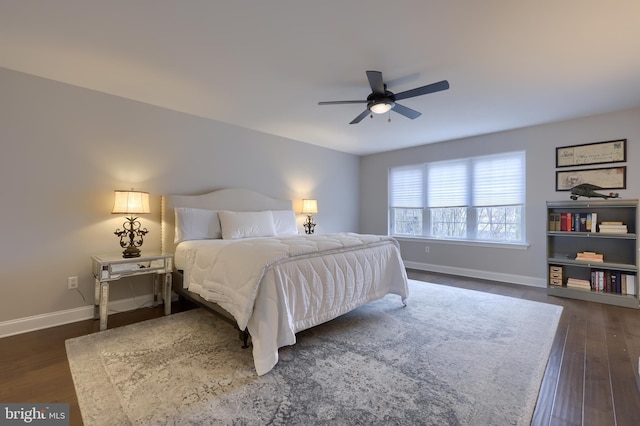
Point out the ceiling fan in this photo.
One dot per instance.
(381, 100)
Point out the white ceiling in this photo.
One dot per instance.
(264, 65)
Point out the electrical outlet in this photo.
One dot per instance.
(427, 249)
(72, 282)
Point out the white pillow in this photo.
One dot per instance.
(196, 224)
(246, 224)
(284, 222)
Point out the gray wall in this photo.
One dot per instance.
(526, 265)
(65, 149)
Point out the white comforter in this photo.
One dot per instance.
(278, 286)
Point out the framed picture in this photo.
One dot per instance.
(592, 153)
(606, 178)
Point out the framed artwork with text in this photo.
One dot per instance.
(592, 153)
(605, 178)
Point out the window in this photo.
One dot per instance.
(479, 198)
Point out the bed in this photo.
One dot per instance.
(239, 253)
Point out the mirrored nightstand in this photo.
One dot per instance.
(114, 267)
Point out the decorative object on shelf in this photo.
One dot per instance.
(592, 153)
(131, 203)
(555, 275)
(589, 191)
(309, 207)
(605, 178)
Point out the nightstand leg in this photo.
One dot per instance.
(156, 290)
(166, 293)
(96, 299)
(104, 300)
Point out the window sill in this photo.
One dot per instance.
(471, 243)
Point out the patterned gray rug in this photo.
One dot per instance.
(452, 357)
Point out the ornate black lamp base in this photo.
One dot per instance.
(131, 252)
(131, 237)
(309, 225)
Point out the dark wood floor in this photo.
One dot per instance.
(591, 378)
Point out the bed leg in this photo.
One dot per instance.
(244, 336)
(182, 302)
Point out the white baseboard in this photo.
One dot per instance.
(53, 319)
(474, 273)
(39, 322)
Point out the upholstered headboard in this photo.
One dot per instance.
(234, 199)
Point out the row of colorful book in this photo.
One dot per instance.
(613, 282)
(601, 280)
(584, 222)
(569, 221)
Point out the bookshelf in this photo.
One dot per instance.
(580, 255)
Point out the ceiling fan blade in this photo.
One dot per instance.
(376, 83)
(360, 117)
(430, 88)
(341, 102)
(407, 112)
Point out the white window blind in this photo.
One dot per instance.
(478, 198)
(498, 180)
(406, 187)
(448, 184)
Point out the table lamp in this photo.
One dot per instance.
(309, 207)
(131, 203)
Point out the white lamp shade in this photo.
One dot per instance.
(131, 202)
(309, 206)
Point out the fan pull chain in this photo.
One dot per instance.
(389, 119)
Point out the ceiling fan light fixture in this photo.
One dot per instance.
(381, 100)
(381, 107)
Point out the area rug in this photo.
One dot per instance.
(451, 357)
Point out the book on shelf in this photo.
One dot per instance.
(554, 222)
(613, 228)
(590, 256)
(572, 221)
(579, 284)
(581, 223)
(607, 281)
(597, 280)
(631, 284)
